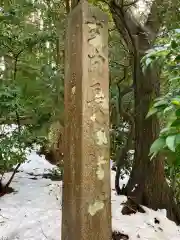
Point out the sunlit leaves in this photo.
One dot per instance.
(176, 101)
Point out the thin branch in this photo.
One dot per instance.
(123, 78)
(2, 175)
(128, 26)
(24, 119)
(10, 50)
(19, 164)
(120, 64)
(17, 120)
(12, 176)
(3, 216)
(44, 233)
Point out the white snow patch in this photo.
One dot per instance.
(34, 211)
(36, 164)
(142, 225)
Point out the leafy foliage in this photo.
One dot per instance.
(167, 107)
(31, 86)
(12, 148)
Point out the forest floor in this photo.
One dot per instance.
(33, 211)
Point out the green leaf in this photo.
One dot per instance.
(178, 113)
(170, 142)
(174, 44)
(169, 108)
(157, 145)
(177, 58)
(151, 112)
(177, 141)
(160, 103)
(176, 101)
(164, 130)
(175, 79)
(176, 123)
(148, 61)
(169, 131)
(171, 118)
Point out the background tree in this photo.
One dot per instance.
(31, 89)
(167, 107)
(146, 177)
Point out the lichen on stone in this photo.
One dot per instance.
(101, 137)
(100, 170)
(95, 207)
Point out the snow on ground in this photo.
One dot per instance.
(33, 212)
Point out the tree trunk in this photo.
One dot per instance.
(122, 159)
(147, 184)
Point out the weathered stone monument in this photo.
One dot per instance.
(86, 213)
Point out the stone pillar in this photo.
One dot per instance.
(86, 213)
